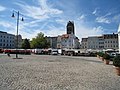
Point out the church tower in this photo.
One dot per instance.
(70, 27)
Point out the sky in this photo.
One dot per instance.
(91, 17)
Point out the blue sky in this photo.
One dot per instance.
(91, 17)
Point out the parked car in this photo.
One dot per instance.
(54, 52)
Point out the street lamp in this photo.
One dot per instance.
(18, 16)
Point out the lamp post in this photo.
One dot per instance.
(18, 16)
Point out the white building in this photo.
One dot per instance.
(53, 42)
(111, 41)
(68, 41)
(106, 41)
(119, 37)
(93, 42)
(7, 40)
(84, 43)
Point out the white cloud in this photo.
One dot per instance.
(61, 21)
(82, 17)
(4, 24)
(2, 8)
(103, 19)
(117, 18)
(39, 14)
(82, 31)
(108, 14)
(55, 31)
(48, 8)
(33, 12)
(30, 24)
(52, 32)
(94, 12)
(8, 27)
(43, 11)
(29, 34)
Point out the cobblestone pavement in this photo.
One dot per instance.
(42, 72)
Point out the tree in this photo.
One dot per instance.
(40, 41)
(26, 44)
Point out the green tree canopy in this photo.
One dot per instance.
(26, 44)
(40, 41)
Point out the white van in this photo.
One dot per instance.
(54, 52)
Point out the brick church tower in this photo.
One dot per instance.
(70, 27)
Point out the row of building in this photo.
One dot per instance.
(66, 41)
(9, 40)
(106, 41)
(70, 41)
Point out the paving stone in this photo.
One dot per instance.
(48, 72)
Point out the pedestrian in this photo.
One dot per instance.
(8, 54)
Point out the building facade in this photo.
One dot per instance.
(101, 42)
(93, 43)
(106, 41)
(119, 37)
(7, 40)
(59, 42)
(65, 41)
(111, 41)
(68, 41)
(53, 42)
(84, 43)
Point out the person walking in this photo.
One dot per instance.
(8, 54)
